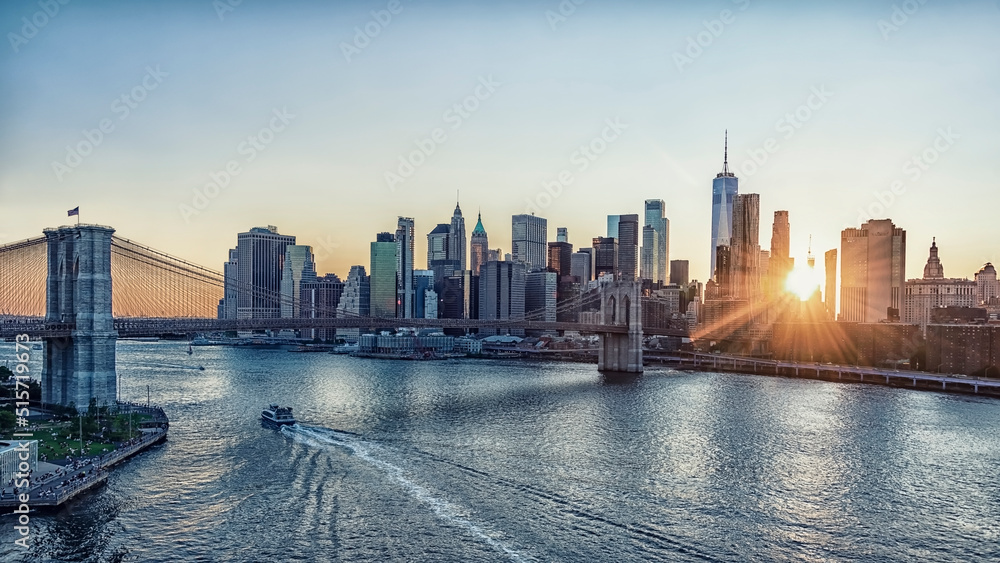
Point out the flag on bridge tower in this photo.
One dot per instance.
(74, 211)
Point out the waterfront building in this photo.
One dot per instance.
(320, 298)
(423, 281)
(355, 300)
(501, 293)
(479, 246)
(659, 254)
(404, 268)
(679, 272)
(299, 268)
(405, 344)
(970, 349)
(872, 269)
(529, 238)
(924, 295)
(724, 190)
(260, 260)
(383, 275)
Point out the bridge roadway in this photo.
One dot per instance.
(136, 327)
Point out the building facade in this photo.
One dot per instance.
(299, 268)
(933, 291)
(501, 294)
(659, 255)
(355, 300)
(872, 269)
(260, 261)
(725, 187)
(529, 238)
(320, 298)
(479, 246)
(383, 276)
(405, 232)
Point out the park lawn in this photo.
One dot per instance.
(52, 446)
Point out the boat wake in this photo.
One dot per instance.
(332, 439)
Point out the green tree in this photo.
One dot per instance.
(7, 420)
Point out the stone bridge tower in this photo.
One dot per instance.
(78, 291)
(621, 306)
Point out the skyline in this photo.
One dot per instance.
(552, 92)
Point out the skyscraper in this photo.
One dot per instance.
(613, 226)
(605, 256)
(628, 246)
(384, 262)
(780, 264)
(230, 286)
(320, 298)
(437, 244)
(479, 247)
(830, 289)
(679, 272)
(540, 294)
(260, 260)
(423, 281)
(724, 190)
(355, 300)
(560, 258)
(456, 238)
(745, 247)
(647, 254)
(655, 217)
(299, 268)
(404, 267)
(562, 234)
(872, 268)
(987, 286)
(580, 265)
(529, 237)
(501, 293)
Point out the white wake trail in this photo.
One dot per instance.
(329, 439)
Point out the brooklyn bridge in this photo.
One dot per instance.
(80, 288)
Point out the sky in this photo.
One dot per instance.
(184, 123)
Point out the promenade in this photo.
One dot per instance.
(65, 482)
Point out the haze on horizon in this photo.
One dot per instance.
(341, 117)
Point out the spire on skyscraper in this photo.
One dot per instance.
(725, 160)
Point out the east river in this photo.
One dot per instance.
(467, 460)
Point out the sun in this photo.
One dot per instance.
(803, 281)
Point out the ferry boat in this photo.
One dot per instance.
(277, 415)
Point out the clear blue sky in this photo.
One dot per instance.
(555, 83)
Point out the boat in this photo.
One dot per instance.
(190, 350)
(280, 416)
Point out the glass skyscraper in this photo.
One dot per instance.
(529, 241)
(724, 190)
(382, 301)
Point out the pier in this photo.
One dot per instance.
(952, 383)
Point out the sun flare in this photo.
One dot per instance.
(803, 281)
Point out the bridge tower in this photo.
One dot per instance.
(78, 291)
(621, 305)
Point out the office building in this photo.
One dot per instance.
(437, 244)
(613, 226)
(830, 289)
(540, 294)
(320, 298)
(560, 258)
(501, 294)
(580, 265)
(647, 254)
(423, 281)
(628, 247)
(299, 268)
(479, 247)
(529, 238)
(655, 217)
(987, 286)
(872, 269)
(745, 247)
(404, 268)
(724, 190)
(562, 234)
(679, 272)
(384, 261)
(260, 261)
(780, 262)
(605, 256)
(230, 273)
(355, 300)
(457, 239)
(933, 291)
